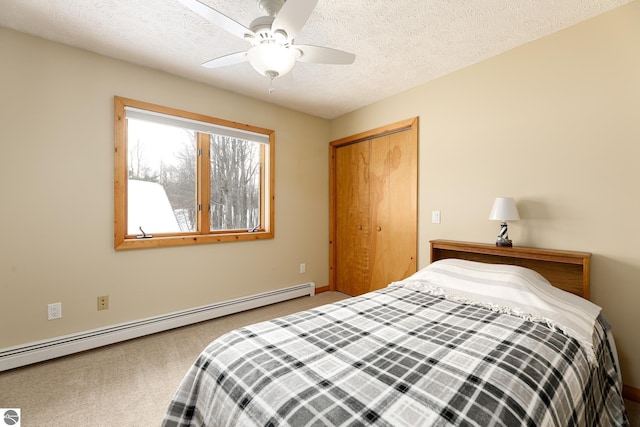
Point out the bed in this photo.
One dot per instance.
(464, 341)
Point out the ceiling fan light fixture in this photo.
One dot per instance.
(272, 59)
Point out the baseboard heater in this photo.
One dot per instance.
(38, 351)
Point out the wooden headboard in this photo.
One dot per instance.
(566, 270)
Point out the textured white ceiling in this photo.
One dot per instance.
(398, 44)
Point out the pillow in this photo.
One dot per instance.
(510, 289)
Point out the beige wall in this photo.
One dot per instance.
(56, 197)
(553, 124)
(556, 125)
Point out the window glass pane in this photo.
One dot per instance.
(235, 183)
(161, 196)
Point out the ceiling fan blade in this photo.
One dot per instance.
(223, 61)
(222, 21)
(292, 16)
(324, 55)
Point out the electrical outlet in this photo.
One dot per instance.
(303, 268)
(103, 302)
(54, 311)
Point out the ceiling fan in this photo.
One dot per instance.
(272, 52)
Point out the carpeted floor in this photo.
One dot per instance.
(125, 384)
(131, 383)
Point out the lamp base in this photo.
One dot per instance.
(504, 243)
(503, 236)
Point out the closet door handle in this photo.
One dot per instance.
(379, 228)
(359, 227)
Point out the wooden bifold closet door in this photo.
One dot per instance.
(374, 208)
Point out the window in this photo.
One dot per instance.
(183, 178)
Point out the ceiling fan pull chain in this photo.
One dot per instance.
(272, 75)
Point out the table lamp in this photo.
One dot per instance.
(504, 209)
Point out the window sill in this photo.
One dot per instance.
(166, 241)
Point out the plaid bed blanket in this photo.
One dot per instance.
(399, 357)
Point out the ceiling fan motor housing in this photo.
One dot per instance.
(261, 27)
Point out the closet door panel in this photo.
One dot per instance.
(403, 199)
(393, 208)
(352, 220)
(379, 213)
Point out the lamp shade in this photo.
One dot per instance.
(271, 59)
(504, 209)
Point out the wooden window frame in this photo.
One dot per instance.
(203, 235)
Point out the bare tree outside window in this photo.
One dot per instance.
(181, 185)
(235, 183)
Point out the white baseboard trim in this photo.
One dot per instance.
(38, 351)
